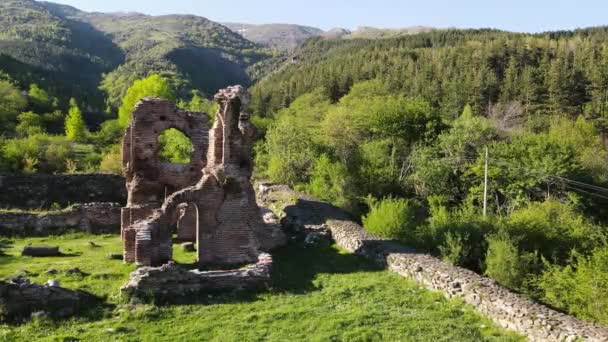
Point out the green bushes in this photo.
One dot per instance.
(458, 236)
(40, 152)
(111, 161)
(554, 229)
(581, 287)
(329, 182)
(391, 218)
(505, 263)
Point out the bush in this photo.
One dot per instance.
(329, 182)
(41, 152)
(554, 229)
(111, 161)
(291, 150)
(459, 236)
(455, 248)
(505, 264)
(580, 288)
(175, 147)
(391, 218)
(109, 133)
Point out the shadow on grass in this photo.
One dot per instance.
(296, 266)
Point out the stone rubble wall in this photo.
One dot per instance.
(92, 218)
(40, 191)
(507, 309)
(19, 301)
(171, 282)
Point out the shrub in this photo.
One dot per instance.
(554, 229)
(580, 288)
(56, 156)
(291, 150)
(111, 162)
(41, 152)
(505, 264)
(391, 218)
(329, 182)
(175, 147)
(446, 229)
(455, 248)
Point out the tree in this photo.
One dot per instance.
(12, 102)
(30, 123)
(40, 100)
(152, 86)
(75, 128)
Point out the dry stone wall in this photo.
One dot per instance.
(94, 218)
(18, 301)
(40, 191)
(509, 310)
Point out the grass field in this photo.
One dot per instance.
(318, 294)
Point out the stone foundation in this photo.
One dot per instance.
(507, 309)
(95, 218)
(19, 301)
(173, 282)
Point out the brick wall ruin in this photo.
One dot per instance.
(211, 199)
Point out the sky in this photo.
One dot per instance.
(511, 15)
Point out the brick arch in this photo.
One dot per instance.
(150, 181)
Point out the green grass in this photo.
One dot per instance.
(318, 294)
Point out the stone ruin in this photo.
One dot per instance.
(211, 200)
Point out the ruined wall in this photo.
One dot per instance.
(150, 181)
(19, 301)
(221, 207)
(301, 213)
(40, 191)
(94, 218)
(171, 282)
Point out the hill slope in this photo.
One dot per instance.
(71, 52)
(282, 37)
(37, 46)
(451, 68)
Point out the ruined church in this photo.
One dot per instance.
(211, 200)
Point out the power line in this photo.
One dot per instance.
(574, 184)
(586, 192)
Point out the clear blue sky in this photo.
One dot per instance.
(513, 15)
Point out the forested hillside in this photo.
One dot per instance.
(71, 53)
(66, 57)
(67, 75)
(561, 71)
(396, 131)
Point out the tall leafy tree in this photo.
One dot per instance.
(152, 86)
(75, 128)
(12, 102)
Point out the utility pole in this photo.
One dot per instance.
(485, 188)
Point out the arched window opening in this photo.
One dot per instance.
(175, 147)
